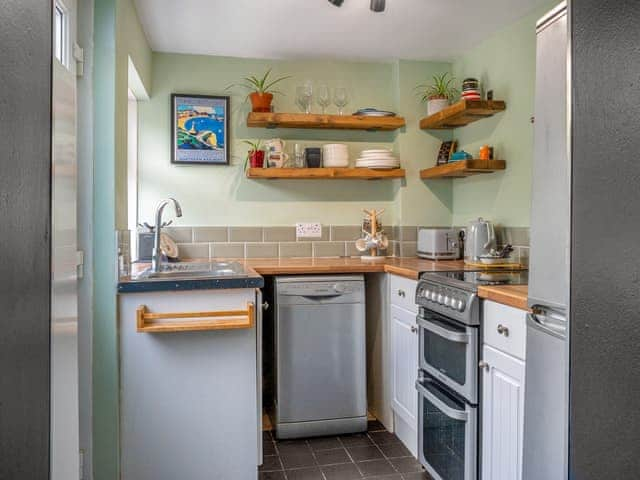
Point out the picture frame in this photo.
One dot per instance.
(200, 129)
(446, 149)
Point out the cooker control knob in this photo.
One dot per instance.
(434, 296)
(460, 306)
(440, 298)
(426, 293)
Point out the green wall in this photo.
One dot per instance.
(221, 195)
(504, 63)
(117, 37)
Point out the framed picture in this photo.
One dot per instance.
(199, 129)
(446, 149)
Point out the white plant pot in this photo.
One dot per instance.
(436, 105)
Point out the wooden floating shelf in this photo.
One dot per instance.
(462, 113)
(324, 173)
(318, 121)
(463, 168)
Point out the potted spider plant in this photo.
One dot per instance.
(260, 90)
(255, 155)
(438, 94)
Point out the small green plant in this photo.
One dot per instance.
(254, 145)
(440, 88)
(259, 85)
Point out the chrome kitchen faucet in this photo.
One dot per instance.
(156, 257)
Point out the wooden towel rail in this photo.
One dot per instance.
(147, 322)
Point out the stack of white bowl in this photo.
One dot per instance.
(335, 155)
(381, 159)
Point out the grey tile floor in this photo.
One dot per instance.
(376, 454)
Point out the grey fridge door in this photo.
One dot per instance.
(551, 185)
(546, 398)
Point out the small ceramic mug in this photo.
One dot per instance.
(277, 143)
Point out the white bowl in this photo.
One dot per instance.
(333, 163)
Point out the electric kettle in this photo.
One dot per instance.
(479, 240)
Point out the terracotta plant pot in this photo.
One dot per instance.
(436, 104)
(256, 159)
(261, 102)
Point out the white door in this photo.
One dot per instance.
(503, 415)
(404, 368)
(65, 462)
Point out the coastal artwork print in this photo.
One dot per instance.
(200, 129)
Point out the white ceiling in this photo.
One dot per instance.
(286, 29)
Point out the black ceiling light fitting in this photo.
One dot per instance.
(376, 5)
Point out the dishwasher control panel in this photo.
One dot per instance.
(351, 289)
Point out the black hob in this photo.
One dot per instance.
(469, 280)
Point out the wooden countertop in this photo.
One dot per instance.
(409, 267)
(511, 295)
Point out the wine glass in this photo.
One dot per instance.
(340, 99)
(324, 97)
(304, 97)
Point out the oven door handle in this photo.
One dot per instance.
(457, 337)
(461, 415)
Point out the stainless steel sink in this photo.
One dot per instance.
(187, 270)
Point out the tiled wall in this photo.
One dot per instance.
(272, 242)
(518, 237)
(336, 241)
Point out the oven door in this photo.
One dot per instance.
(449, 352)
(447, 433)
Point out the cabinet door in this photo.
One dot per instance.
(404, 358)
(503, 415)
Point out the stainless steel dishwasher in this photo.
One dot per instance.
(320, 356)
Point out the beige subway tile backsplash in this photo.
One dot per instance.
(210, 234)
(345, 232)
(328, 249)
(179, 234)
(352, 251)
(261, 250)
(407, 234)
(193, 250)
(227, 250)
(336, 241)
(296, 249)
(408, 249)
(279, 234)
(245, 234)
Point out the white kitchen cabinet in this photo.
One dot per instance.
(503, 384)
(404, 359)
(404, 346)
(189, 399)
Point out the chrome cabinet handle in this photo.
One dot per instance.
(265, 306)
(401, 293)
(414, 329)
(483, 364)
(502, 330)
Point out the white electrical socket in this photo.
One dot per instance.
(308, 230)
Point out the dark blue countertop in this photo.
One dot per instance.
(191, 284)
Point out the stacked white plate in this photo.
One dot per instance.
(335, 155)
(380, 159)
